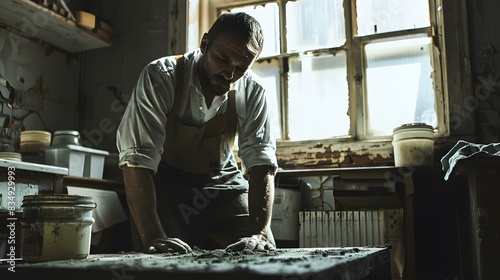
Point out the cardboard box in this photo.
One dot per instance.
(85, 20)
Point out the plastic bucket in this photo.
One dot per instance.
(56, 227)
(413, 145)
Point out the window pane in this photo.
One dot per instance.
(193, 25)
(378, 16)
(268, 17)
(313, 24)
(318, 97)
(269, 74)
(399, 85)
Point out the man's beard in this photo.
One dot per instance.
(219, 88)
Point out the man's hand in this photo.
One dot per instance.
(168, 245)
(253, 243)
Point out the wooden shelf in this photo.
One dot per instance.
(31, 20)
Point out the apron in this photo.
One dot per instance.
(201, 199)
(198, 150)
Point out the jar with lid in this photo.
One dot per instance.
(66, 137)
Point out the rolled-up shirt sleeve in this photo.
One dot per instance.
(256, 142)
(141, 133)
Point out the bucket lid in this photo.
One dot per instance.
(422, 126)
(62, 199)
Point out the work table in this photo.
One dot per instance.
(304, 263)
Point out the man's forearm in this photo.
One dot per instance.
(141, 200)
(260, 198)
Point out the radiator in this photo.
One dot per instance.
(355, 228)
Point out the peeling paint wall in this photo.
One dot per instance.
(335, 155)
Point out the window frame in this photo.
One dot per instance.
(356, 70)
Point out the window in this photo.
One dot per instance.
(340, 69)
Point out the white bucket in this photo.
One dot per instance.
(56, 227)
(413, 145)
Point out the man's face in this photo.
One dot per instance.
(225, 60)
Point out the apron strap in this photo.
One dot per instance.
(179, 82)
(233, 118)
(231, 102)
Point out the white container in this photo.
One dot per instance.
(413, 145)
(285, 216)
(56, 227)
(80, 161)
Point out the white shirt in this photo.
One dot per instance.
(141, 134)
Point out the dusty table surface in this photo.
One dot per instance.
(296, 263)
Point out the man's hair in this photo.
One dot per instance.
(240, 24)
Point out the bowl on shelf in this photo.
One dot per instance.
(33, 141)
(11, 156)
